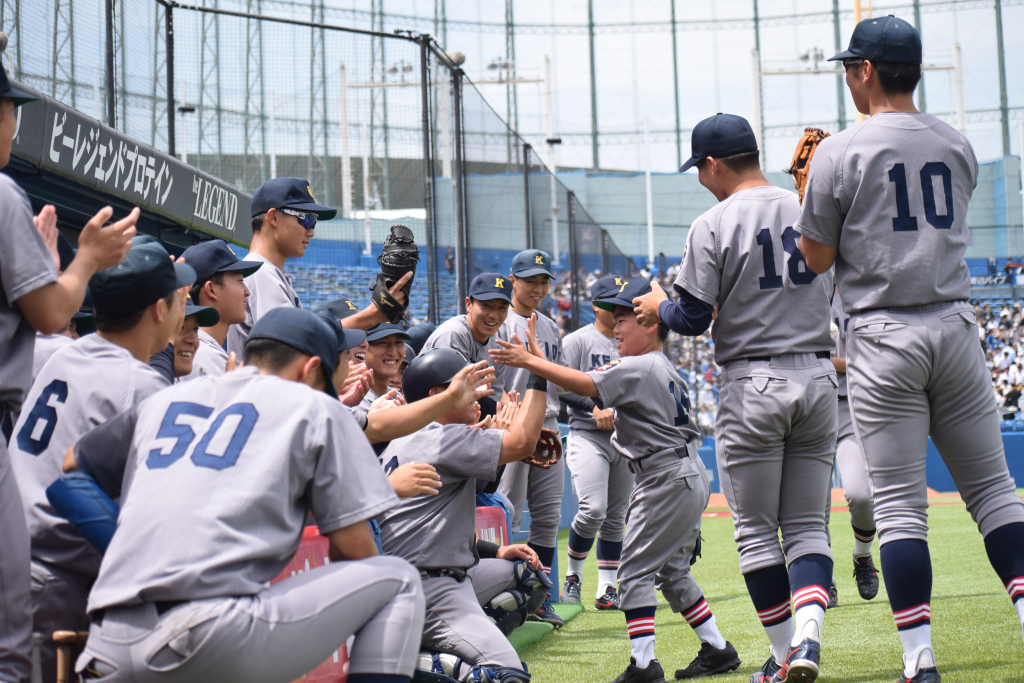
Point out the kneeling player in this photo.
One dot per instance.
(435, 533)
(181, 594)
(653, 431)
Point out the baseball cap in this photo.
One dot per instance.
(884, 39)
(386, 330)
(487, 286)
(532, 262)
(302, 330)
(215, 256)
(205, 315)
(624, 295)
(347, 339)
(410, 355)
(65, 251)
(720, 136)
(419, 334)
(288, 193)
(8, 91)
(85, 323)
(340, 308)
(146, 275)
(606, 286)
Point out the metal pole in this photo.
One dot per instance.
(755, 99)
(109, 62)
(922, 97)
(171, 112)
(593, 86)
(1020, 143)
(461, 234)
(346, 158)
(548, 104)
(273, 137)
(675, 83)
(574, 280)
(650, 200)
(840, 85)
(428, 181)
(759, 111)
(1001, 54)
(959, 70)
(526, 194)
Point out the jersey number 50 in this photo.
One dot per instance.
(184, 435)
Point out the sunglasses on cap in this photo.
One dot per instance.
(306, 220)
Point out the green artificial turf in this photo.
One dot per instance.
(975, 630)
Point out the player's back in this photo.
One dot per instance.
(587, 349)
(82, 385)
(218, 482)
(743, 257)
(900, 184)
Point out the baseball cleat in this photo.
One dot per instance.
(833, 596)
(866, 574)
(767, 672)
(610, 599)
(711, 660)
(571, 589)
(802, 663)
(547, 615)
(926, 675)
(634, 674)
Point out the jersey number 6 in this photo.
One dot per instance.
(184, 435)
(33, 437)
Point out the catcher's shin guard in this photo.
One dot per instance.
(507, 610)
(399, 256)
(437, 667)
(497, 674)
(532, 582)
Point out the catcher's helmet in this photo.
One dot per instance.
(430, 369)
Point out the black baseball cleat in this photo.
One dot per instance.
(634, 674)
(833, 596)
(571, 589)
(866, 574)
(547, 615)
(802, 663)
(608, 601)
(926, 675)
(767, 672)
(711, 660)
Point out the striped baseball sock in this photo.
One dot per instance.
(608, 554)
(640, 626)
(862, 539)
(907, 570)
(769, 591)
(810, 577)
(1005, 548)
(546, 557)
(579, 548)
(702, 621)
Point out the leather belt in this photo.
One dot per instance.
(821, 355)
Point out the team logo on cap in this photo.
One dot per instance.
(608, 366)
(623, 285)
(499, 283)
(539, 260)
(618, 282)
(351, 307)
(310, 193)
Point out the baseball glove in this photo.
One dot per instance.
(549, 450)
(801, 164)
(399, 256)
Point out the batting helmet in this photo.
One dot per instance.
(430, 369)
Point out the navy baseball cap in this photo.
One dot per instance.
(340, 308)
(215, 256)
(487, 286)
(347, 339)
(386, 330)
(419, 334)
(145, 276)
(884, 39)
(624, 294)
(8, 91)
(606, 286)
(410, 355)
(720, 136)
(205, 315)
(84, 323)
(302, 330)
(532, 262)
(65, 251)
(288, 193)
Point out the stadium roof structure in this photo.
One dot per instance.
(63, 157)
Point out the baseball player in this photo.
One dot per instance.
(384, 354)
(138, 307)
(850, 461)
(653, 431)
(531, 280)
(206, 521)
(395, 382)
(886, 202)
(775, 434)
(474, 333)
(220, 284)
(186, 342)
(33, 298)
(600, 475)
(436, 533)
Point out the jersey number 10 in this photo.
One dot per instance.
(903, 221)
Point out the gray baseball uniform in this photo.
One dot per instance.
(436, 534)
(269, 288)
(25, 266)
(914, 365)
(207, 520)
(210, 359)
(600, 475)
(46, 346)
(454, 334)
(653, 431)
(83, 385)
(522, 483)
(777, 406)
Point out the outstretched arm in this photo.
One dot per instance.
(517, 356)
